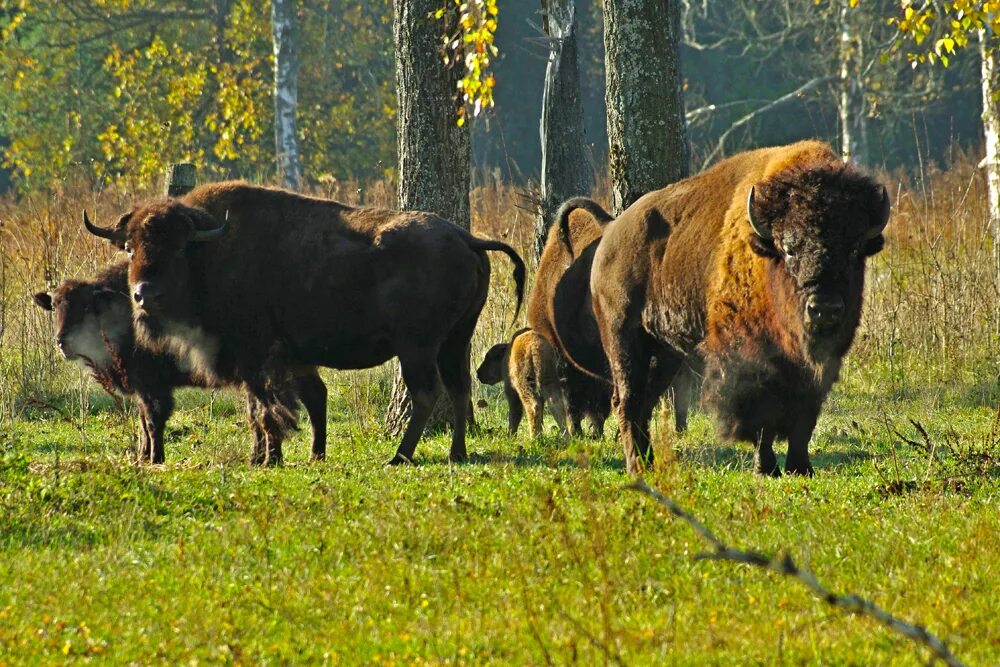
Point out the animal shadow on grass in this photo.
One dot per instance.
(847, 453)
(554, 456)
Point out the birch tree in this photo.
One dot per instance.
(647, 136)
(565, 170)
(284, 29)
(938, 30)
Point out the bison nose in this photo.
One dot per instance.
(824, 310)
(144, 294)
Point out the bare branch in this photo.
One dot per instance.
(770, 106)
(852, 604)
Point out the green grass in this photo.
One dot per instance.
(533, 553)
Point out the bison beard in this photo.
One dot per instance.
(753, 270)
(254, 285)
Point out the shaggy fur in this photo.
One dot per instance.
(94, 326)
(295, 282)
(529, 370)
(682, 276)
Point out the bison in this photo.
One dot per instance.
(755, 269)
(559, 308)
(255, 284)
(529, 370)
(93, 320)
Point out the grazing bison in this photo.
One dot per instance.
(254, 284)
(560, 309)
(529, 370)
(754, 268)
(94, 327)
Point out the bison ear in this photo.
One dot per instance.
(43, 299)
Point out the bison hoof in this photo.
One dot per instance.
(399, 460)
(805, 470)
(458, 457)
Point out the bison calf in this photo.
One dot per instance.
(529, 370)
(94, 327)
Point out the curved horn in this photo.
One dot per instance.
(109, 234)
(759, 228)
(884, 218)
(200, 235)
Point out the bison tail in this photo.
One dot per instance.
(520, 272)
(570, 205)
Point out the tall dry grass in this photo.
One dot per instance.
(931, 315)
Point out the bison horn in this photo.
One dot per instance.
(884, 218)
(200, 235)
(761, 229)
(110, 234)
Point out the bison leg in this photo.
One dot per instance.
(552, 394)
(662, 372)
(797, 462)
(456, 375)
(258, 454)
(681, 389)
(630, 371)
(312, 393)
(145, 442)
(420, 375)
(765, 463)
(156, 410)
(515, 410)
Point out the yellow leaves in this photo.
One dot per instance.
(951, 31)
(473, 45)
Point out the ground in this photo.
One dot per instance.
(535, 552)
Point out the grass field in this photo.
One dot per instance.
(534, 552)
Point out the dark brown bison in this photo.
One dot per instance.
(754, 268)
(529, 369)
(560, 309)
(93, 320)
(258, 285)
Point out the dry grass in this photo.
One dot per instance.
(931, 317)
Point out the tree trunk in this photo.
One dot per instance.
(644, 95)
(565, 171)
(284, 29)
(991, 132)
(434, 152)
(851, 96)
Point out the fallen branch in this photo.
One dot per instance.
(852, 604)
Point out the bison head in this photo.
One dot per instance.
(494, 366)
(157, 238)
(817, 224)
(90, 319)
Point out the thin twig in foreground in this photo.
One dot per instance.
(852, 604)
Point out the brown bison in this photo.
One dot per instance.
(258, 285)
(755, 269)
(560, 309)
(529, 370)
(93, 322)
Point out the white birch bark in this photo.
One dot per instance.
(851, 99)
(284, 30)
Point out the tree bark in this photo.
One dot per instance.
(284, 29)
(647, 135)
(851, 95)
(991, 133)
(434, 152)
(565, 171)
